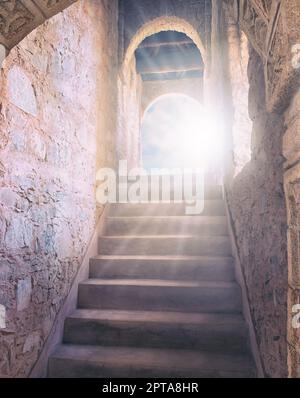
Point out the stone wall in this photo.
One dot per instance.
(256, 201)
(291, 150)
(57, 126)
(272, 28)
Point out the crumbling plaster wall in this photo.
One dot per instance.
(57, 126)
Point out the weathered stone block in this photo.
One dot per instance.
(33, 342)
(2, 317)
(8, 197)
(21, 92)
(40, 61)
(38, 146)
(14, 237)
(18, 140)
(63, 241)
(294, 109)
(24, 289)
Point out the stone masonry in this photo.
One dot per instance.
(56, 129)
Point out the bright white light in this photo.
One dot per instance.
(178, 132)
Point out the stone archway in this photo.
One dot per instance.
(159, 25)
(130, 84)
(19, 18)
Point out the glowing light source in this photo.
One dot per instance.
(178, 132)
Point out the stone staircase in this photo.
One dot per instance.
(161, 300)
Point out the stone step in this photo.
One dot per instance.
(166, 226)
(210, 332)
(163, 267)
(165, 245)
(72, 361)
(209, 191)
(159, 295)
(211, 208)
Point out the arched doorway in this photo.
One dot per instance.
(162, 24)
(136, 75)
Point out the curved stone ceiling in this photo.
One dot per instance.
(19, 17)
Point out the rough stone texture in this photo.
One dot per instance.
(2, 317)
(24, 290)
(291, 139)
(52, 140)
(256, 201)
(292, 192)
(272, 28)
(19, 18)
(21, 92)
(151, 90)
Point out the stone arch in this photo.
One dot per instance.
(130, 134)
(162, 24)
(187, 90)
(22, 17)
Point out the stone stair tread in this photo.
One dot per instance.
(160, 295)
(161, 301)
(171, 361)
(162, 267)
(158, 257)
(165, 245)
(196, 219)
(212, 207)
(202, 237)
(160, 283)
(159, 317)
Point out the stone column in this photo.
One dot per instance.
(238, 59)
(215, 95)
